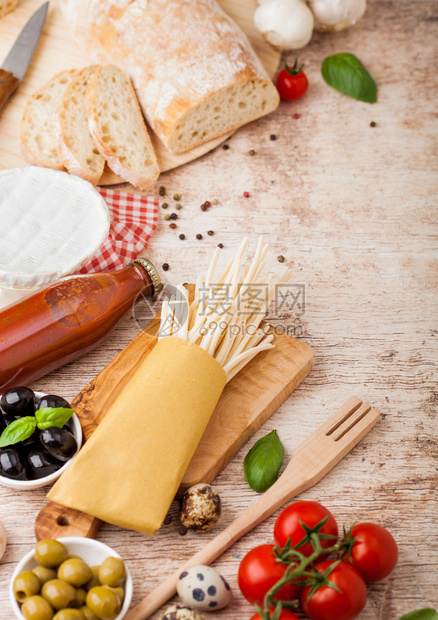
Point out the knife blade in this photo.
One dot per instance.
(15, 65)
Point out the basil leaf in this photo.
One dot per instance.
(421, 614)
(263, 462)
(52, 416)
(346, 73)
(18, 430)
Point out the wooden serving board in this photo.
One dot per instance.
(57, 50)
(247, 401)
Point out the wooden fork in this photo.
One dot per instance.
(311, 461)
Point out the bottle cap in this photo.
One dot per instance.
(153, 274)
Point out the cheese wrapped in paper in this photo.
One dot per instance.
(129, 471)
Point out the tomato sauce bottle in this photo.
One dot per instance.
(57, 324)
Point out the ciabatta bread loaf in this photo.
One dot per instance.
(76, 148)
(194, 70)
(118, 128)
(38, 137)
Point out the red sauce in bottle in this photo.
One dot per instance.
(56, 324)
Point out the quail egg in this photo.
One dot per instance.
(200, 508)
(203, 588)
(180, 612)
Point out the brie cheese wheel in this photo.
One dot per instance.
(51, 224)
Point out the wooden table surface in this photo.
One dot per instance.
(352, 208)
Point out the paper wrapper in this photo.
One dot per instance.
(129, 470)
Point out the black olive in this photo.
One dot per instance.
(52, 401)
(18, 402)
(2, 424)
(11, 465)
(41, 464)
(59, 443)
(29, 444)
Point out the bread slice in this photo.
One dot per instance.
(76, 148)
(6, 6)
(118, 128)
(38, 137)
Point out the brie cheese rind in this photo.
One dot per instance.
(51, 224)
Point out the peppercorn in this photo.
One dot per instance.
(162, 190)
(204, 207)
(373, 124)
(226, 147)
(176, 197)
(167, 519)
(281, 259)
(173, 216)
(215, 201)
(178, 206)
(199, 236)
(167, 216)
(165, 266)
(273, 136)
(246, 194)
(296, 116)
(210, 233)
(252, 152)
(207, 203)
(164, 205)
(172, 225)
(220, 245)
(182, 236)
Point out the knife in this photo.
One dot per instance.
(15, 65)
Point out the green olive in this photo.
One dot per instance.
(112, 572)
(119, 592)
(103, 603)
(58, 593)
(44, 574)
(75, 571)
(36, 608)
(69, 614)
(25, 585)
(94, 581)
(50, 553)
(88, 614)
(80, 597)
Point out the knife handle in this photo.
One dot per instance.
(8, 84)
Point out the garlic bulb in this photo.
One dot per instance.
(286, 24)
(336, 14)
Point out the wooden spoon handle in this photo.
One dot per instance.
(282, 491)
(55, 521)
(8, 84)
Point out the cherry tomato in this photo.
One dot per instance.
(288, 525)
(292, 82)
(259, 571)
(327, 603)
(374, 552)
(285, 615)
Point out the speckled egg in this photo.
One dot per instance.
(200, 508)
(203, 588)
(180, 612)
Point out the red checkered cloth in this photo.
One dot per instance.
(133, 221)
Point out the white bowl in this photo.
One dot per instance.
(26, 485)
(91, 551)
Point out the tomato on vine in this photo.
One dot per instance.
(284, 615)
(371, 549)
(292, 82)
(299, 520)
(259, 571)
(341, 593)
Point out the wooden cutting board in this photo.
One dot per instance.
(247, 401)
(58, 50)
